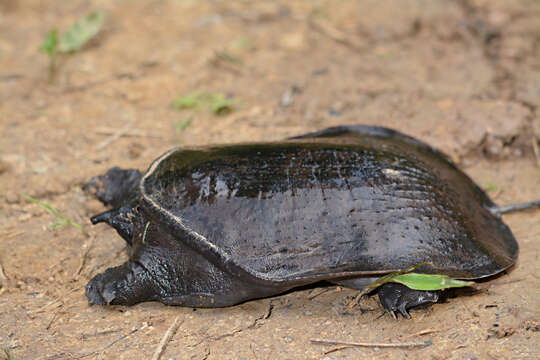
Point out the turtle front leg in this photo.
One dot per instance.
(397, 297)
(126, 284)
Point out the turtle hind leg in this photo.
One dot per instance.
(116, 188)
(397, 297)
(126, 284)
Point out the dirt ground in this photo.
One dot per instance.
(461, 75)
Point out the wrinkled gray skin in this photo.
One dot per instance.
(217, 226)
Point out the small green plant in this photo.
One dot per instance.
(61, 219)
(181, 125)
(72, 40)
(49, 47)
(218, 103)
(9, 356)
(242, 43)
(491, 187)
(416, 281)
(227, 57)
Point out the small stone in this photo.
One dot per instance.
(3, 166)
(501, 332)
(293, 40)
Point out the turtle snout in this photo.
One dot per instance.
(99, 291)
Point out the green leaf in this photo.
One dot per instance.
(181, 125)
(430, 282)
(50, 47)
(50, 42)
(218, 103)
(8, 354)
(416, 281)
(81, 32)
(189, 101)
(386, 278)
(491, 187)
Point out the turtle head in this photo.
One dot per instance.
(121, 219)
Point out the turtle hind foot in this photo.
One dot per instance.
(126, 284)
(397, 297)
(116, 188)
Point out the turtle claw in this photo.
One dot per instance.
(396, 297)
(403, 310)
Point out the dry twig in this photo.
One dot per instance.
(325, 28)
(317, 293)
(337, 349)
(118, 134)
(84, 257)
(128, 133)
(422, 332)
(166, 338)
(536, 150)
(58, 301)
(255, 324)
(12, 234)
(3, 276)
(364, 344)
(123, 337)
(53, 318)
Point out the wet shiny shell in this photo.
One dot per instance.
(322, 207)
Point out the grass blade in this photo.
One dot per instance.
(62, 220)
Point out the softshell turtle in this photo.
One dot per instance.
(215, 226)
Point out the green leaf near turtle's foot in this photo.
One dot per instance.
(429, 282)
(416, 281)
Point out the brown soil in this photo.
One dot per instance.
(461, 75)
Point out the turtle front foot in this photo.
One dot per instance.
(126, 284)
(397, 297)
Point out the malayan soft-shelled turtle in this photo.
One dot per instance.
(218, 225)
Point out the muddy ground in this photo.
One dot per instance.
(461, 75)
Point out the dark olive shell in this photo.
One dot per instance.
(328, 205)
